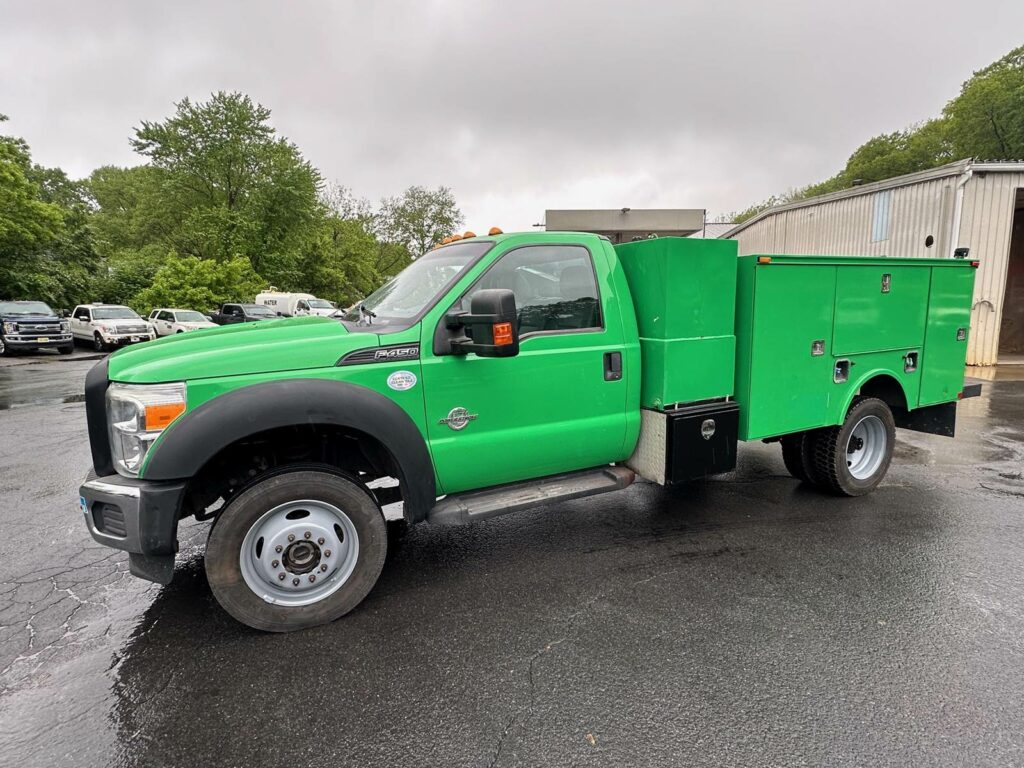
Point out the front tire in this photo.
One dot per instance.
(66, 349)
(295, 550)
(852, 459)
(97, 343)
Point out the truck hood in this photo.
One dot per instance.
(265, 347)
(28, 319)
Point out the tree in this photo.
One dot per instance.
(199, 283)
(230, 186)
(986, 119)
(417, 220)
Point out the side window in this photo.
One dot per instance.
(554, 285)
(82, 313)
(166, 316)
(232, 309)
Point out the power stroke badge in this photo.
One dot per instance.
(458, 418)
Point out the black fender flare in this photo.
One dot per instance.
(201, 434)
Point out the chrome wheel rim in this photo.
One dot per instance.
(867, 447)
(299, 553)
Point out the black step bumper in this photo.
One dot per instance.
(138, 517)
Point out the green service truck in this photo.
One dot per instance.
(501, 372)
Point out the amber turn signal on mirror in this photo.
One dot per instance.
(502, 334)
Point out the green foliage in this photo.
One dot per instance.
(229, 185)
(986, 120)
(418, 219)
(219, 190)
(196, 283)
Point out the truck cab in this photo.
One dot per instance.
(493, 374)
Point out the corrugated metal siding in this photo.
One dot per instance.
(985, 228)
(844, 227)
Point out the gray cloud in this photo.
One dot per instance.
(517, 106)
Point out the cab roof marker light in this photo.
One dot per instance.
(495, 231)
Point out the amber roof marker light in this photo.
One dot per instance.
(495, 231)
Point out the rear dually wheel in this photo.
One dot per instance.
(852, 459)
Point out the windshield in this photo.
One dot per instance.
(399, 302)
(26, 308)
(259, 312)
(319, 304)
(189, 317)
(114, 313)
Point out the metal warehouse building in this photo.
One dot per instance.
(967, 204)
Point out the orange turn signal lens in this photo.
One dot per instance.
(160, 416)
(502, 334)
(495, 231)
(764, 259)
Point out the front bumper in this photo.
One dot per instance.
(138, 517)
(121, 339)
(22, 341)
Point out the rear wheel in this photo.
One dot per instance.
(793, 456)
(852, 459)
(296, 549)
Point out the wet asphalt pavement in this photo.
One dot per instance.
(744, 621)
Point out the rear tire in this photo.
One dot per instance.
(793, 456)
(852, 459)
(243, 563)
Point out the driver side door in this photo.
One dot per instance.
(552, 408)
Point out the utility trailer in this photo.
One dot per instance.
(496, 373)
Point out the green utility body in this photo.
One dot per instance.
(500, 372)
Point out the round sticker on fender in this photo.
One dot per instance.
(402, 380)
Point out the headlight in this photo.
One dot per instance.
(65, 325)
(10, 327)
(136, 415)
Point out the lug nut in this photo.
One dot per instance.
(295, 582)
(327, 553)
(307, 535)
(312, 578)
(323, 567)
(291, 537)
(281, 576)
(320, 541)
(274, 564)
(278, 549)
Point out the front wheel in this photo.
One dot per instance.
(852, 459)
(66, 349)
(97, 343)
(295, 550)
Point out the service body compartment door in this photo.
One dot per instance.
(880, 307)
(945, 347)
(791, 355)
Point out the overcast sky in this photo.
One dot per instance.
(519, 105)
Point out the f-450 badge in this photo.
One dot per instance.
(458, 418)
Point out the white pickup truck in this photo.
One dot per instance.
(106, 326)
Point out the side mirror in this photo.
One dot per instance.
(493, 320)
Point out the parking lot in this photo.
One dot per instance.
(743, 621)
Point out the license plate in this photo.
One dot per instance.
(43, 339)
(135, 338)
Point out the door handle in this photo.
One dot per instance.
(612, 366)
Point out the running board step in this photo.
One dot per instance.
(502, 499)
